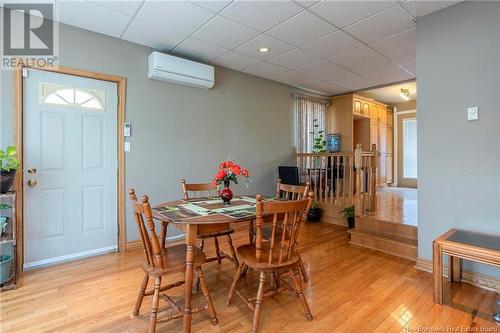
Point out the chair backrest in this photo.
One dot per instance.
(198, 190)
(144, 219)
(288, 220)
(291, 192)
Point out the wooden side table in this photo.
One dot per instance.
(458, 245)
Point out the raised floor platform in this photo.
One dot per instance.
(397, 205)
(393, 227)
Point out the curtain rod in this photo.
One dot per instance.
(312, 98)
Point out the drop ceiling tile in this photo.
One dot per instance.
(384, 24)
(199, 50)
(104, 21)
(306, 3)
(153, 36)
(332, 44)
(226, 33)
(276, 47)
(128, 7)
(361, 55)
(403, 43)
(260, 15)
(236, 61)
(322, 70)
(295, 59)
(214, 6)
(321, 87)
(291, 77)
(265, 69)
(382, 72)
(302, 29)
(408, 61)
(181, 16)
(344, 13)
(422, 8)
(350, 80)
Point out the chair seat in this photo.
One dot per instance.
(175, 259)
(216, 233)
(246, 253)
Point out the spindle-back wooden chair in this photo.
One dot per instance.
(211, 231)
(161, 262)
(289, 192)
(276, 255)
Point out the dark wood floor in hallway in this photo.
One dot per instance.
(351, 289)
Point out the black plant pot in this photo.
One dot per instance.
(314, 215)
(351, 222)
(6, 180)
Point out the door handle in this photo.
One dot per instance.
(31, 170)
(32, 183)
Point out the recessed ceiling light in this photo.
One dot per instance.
(264, 49)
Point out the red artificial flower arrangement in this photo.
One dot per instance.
(229, 171)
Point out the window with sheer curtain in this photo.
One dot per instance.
(307, 110)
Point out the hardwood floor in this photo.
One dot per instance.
(397, 205)
(351, 289)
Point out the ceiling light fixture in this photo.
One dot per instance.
(405, 94)
(264, 49)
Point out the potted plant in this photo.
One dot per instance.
(314, 214)
(319, 140)
(8, 167)
(350, 215)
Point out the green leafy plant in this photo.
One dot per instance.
(8, 160)
(349, 212)
(319, 140)
(4, 206)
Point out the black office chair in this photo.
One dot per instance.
(289, 174)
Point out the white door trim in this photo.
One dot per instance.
(19, 143)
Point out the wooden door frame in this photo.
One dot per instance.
(121, 83)
(397, 148)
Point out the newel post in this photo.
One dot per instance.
(373, 183)
(358, 164)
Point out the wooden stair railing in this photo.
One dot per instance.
(341, 178)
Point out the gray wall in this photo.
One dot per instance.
(177, 131)
(458, 65)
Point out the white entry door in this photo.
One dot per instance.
(70, 167)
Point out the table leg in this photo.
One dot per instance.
(454, 269)
(191, 234)
(437, 261)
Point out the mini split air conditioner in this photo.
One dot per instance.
(168, 68)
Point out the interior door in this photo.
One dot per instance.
(70, 165)
(407, 150)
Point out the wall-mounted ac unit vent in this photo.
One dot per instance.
(168, 68)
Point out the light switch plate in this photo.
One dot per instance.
(473, 113)
(127, 146)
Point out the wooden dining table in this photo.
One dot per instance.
(197, 216)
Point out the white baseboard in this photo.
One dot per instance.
(476, 279)
(79, 255)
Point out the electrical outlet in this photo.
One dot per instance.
(127, 146)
